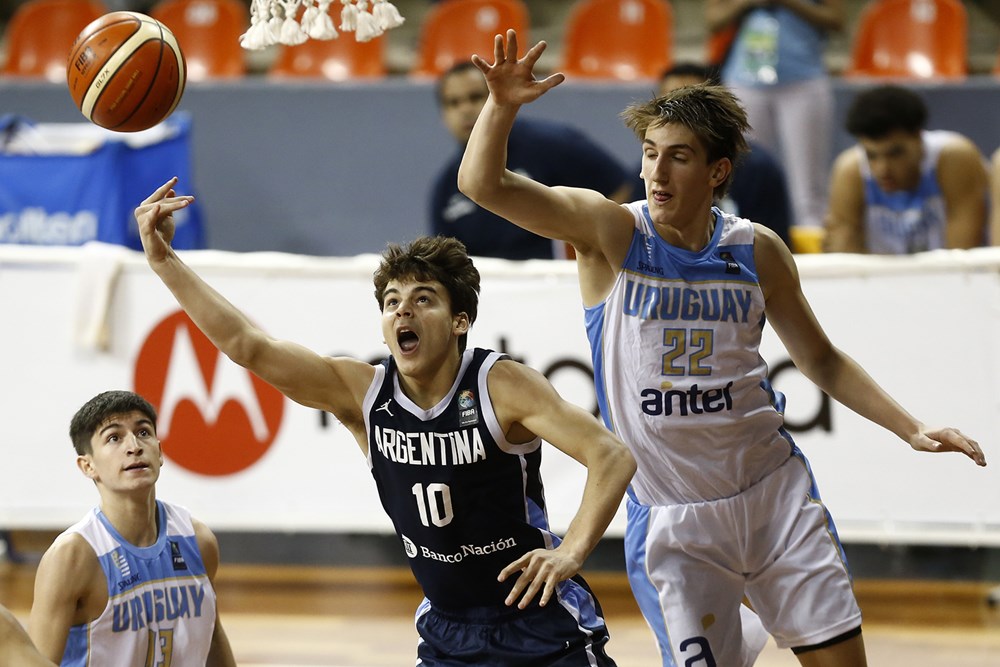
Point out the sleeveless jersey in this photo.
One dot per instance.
(161, 605)
(678, 373)
(464, 501)
(900, 223)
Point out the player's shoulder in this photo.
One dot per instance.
(958, 147)
(70, 555)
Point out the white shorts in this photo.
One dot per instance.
(691, 565)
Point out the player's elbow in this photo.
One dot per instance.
(477, 186)
(617, 458)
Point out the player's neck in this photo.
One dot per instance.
(135, 518)
(428, 389)
(693, 236)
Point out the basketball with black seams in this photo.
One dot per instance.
(126, 72)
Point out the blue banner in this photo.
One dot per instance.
(68, 198)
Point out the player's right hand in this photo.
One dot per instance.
(156, 221)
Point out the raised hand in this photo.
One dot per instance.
(510, 79)
(155, 219)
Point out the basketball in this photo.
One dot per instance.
(126, 72)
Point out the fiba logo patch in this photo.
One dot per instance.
(468, 415)
(215, 418)
(408, 546)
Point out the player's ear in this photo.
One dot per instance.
(721, 170)
(461, 324)
(86, 466)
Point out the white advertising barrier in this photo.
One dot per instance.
(78, 321)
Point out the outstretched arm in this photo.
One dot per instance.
(528, 405)
(574, 215)
(337, 385)
(829, 368)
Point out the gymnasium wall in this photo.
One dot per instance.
(78, 321)
(322, 169)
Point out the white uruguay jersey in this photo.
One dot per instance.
(678, 373)
(161, 605)
(907, 221)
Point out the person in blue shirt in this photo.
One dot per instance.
(758, 189)
(775, 66)
(551, 153)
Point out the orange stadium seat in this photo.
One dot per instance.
(453, 30)
(208, 32)
(40, 34)
(340, 59)
(910, 39)
(619, 39)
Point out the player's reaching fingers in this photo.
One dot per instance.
(512, 44)
(534, 53)
(161, 191)
(498, 50)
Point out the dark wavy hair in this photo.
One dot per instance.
(433, 258)
(99, 409)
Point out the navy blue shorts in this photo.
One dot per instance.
(567, 632)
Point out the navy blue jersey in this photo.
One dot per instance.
(464, 501)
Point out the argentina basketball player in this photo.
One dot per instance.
(453, 438)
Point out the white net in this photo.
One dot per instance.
(292, 22)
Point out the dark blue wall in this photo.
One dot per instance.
(326, 169)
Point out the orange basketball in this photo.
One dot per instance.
(126, 72)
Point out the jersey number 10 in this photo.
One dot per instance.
(434, 504)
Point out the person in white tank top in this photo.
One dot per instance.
(904, 189)
(131, 583)
(676, 292)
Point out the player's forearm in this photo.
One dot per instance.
(228, 329)
(484, 164)
(846, 382)
(607, 479)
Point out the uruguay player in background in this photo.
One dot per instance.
(131, 583)
(676, 292)
(452, 437)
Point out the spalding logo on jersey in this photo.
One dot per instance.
(468, 415)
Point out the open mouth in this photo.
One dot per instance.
(407, 340)
(137, 466)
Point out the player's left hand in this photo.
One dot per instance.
(509, 78)
(948, 440)
(540, 570)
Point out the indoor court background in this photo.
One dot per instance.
(346, 600)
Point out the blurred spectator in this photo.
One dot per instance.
(758, 189)
(903, 188)
(775, 66)
(995, 198)
(551, 153)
